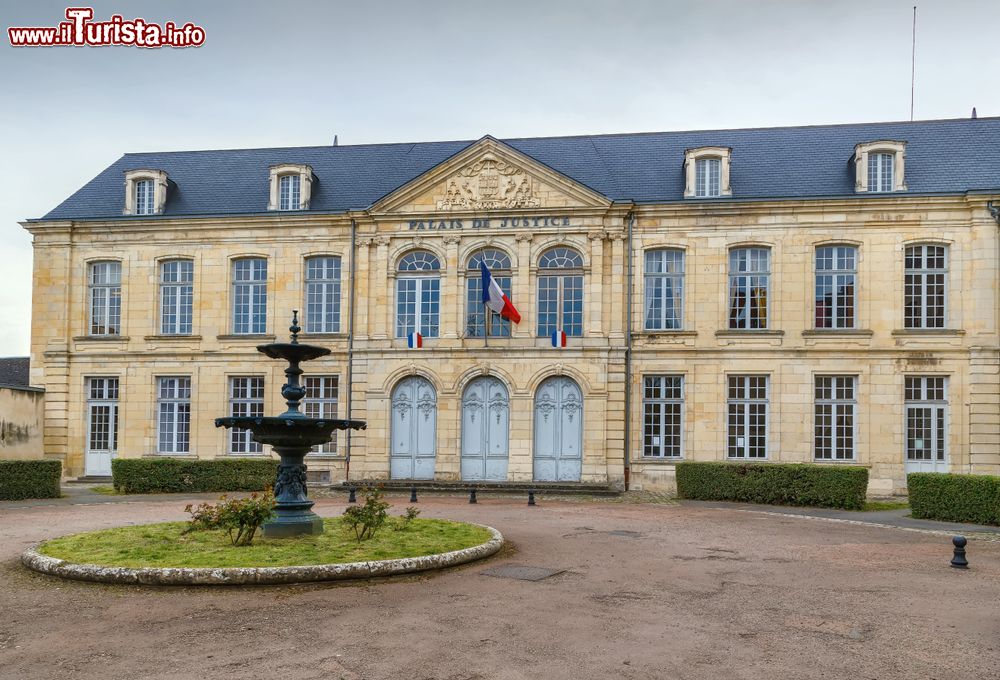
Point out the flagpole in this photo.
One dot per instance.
(486, 324)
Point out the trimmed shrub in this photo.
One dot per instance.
(821, 486)
(173, 475)
(954, 498)
(20, 479)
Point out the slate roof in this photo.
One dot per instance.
(942, 156)
(14, 371)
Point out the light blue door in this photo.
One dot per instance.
(414, 430)
(485, 410)
(558, 431)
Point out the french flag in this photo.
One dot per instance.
(494, 298)
(559, 339)
(414, 340)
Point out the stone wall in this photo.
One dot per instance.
(21, 416)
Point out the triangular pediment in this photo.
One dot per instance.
(489, 176)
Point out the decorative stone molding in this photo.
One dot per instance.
(160, 185)
(596, 235)
(305, 175)
(489, 183)
(861, 152)
(365, 242)
(452, 239)
(212, 576)
(380, 241)
(994, 211)
(691, 158)
(524, 236)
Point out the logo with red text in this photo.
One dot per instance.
(80, 30)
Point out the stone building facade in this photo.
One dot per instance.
(819, 294)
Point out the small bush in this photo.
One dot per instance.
(173, 475)
(20, 479)
(403, 521)
(365, 520)
(240, 518)
(955, 498)
(821, 486)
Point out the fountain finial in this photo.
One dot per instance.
(294, 328)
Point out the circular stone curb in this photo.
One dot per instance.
(253, 576)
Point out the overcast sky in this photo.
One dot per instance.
(283, 74)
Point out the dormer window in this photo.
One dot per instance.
(291, 187)
(878, 166)
(145, 192)
(706, 172)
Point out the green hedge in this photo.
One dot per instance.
(954, 498)
(823, 486)
(171, 475)
(29, 479)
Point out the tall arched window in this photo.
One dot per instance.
(560, 292)
(476, 324)
(418, 295)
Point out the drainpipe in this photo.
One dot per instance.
(350, 348)
(628, 353)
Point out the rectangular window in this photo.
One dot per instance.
(706, 180)
(560, 305)
(924, 286)
(834, 426)
(144, 204)
(418, 306)
(836, 273)
(747, 416)
(749, 281)
(176, 297)
(663, 416)
(102, 414)
(664, 290)
(475, 317)
(105, 284)
(288, 192)
(173, 405)
(322, 295)
(321, 402)
(246, 398)
(880, 171)
(250, 296)
(926, 400)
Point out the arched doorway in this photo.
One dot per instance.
(485, 420)
(414, 429)
(558, 453)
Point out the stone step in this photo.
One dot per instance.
(91, 479)
(436, 486)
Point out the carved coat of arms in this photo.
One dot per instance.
(488, 184)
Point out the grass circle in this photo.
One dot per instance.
(167, 546)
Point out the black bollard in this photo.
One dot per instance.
(958, 560)
(531, 497)
(352, 496)
(413, 494)
(472, 495)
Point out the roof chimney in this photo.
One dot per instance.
(335, 136)
(974, 113)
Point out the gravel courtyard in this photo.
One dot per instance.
(643, 591)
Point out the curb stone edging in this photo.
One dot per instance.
(242, 576)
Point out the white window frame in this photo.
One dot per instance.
(145, 196)
(255, 310)
(107, 395)
(838, 276)
(839, 403)
(658, 408)
(563, 275)
(708, 177)
(742, 406)
(290, 192)
(322, 303)
(322, 406)
(173, 414)
(178, 286)
(748, 275)
(426, 278)
(917, 397)
(104, 284)
(499, 264)
(244, 402)
(657, 319)
(921, 275)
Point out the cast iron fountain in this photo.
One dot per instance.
(292, 435)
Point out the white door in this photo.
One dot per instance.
(926, 424)
(414, 430)
(102, 425)
(485, 410)
(558, 453)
